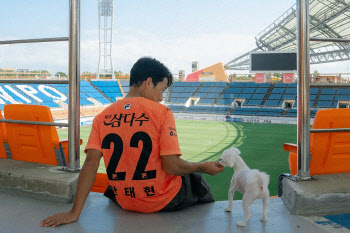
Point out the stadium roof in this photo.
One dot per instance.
(328, 19)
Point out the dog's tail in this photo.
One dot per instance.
(263, 180)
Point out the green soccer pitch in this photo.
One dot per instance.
(260, 144)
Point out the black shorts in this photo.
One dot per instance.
(194, 189)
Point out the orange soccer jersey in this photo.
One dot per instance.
(132, 134)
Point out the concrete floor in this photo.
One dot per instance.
(23, 214)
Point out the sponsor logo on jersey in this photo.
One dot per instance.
(127, 106)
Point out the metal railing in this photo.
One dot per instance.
(303, 116)
(73, 83)
(56, 39)
(34, 123)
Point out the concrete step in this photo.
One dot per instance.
(325, 194)
(39, 181)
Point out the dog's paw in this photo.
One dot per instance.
(263, 219)
(228, 209)
(240, 224)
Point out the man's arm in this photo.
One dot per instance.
(85, 182)
(174, 165)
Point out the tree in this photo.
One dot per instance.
(61, 74)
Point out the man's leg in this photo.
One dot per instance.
(200, 188)
(194, 189)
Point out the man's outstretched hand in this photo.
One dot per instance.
(59, 219)
(211, 168)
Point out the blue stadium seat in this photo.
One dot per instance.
(291, 91)
(328, 91)
(251, 85)
(327, 97)
(212, 96)
(342, 97)
(220, 84)
(224, 102)
(228, 96)
(237, 84)
(233, 90)
(344, 91)
(206, 101)
(275, 97)
(208, 84)
(265, 85)
(325, 104)
(248, 90)
(313, 97)
(200, 95)
(204, 89)
(278, 90)
(313, 91)
(258, 96)
(216, 89)
(245, 96)
(190, 89)
(261, 90)
(279, 85)
(289, 97)
(254, 102)
(218, 110)
(193, 84)
(271, 103)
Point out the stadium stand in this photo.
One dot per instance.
(245, 111)
(196, 109)
(214, 97)
(125, 87)
(50, 95)
(176, 108)
(269, 112)
(110, 88)
(264, 99)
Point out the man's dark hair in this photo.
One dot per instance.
(147, 67)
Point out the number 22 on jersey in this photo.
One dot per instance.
(140, 173)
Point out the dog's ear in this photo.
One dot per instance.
(236, 150)
(230, 162)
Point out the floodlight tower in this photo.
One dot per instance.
(105, 20)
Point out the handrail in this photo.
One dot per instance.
(34, 123)
(342, 40)
(330, 130)
(55, 39)
(34, 81)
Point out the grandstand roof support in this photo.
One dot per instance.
(328, 18)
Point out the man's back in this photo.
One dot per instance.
(133, 133)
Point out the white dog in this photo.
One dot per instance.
(253, 184)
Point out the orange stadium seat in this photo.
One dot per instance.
(34, 143)
(101, 183)
(330, 152)
(3, 139)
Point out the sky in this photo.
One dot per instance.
(176, 32)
